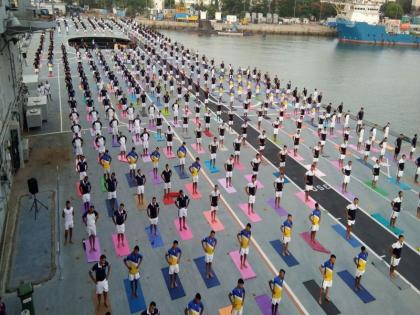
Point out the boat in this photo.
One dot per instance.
(230, 31)
(359, 22)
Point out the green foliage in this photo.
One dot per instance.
(169, 4)
(392, 10)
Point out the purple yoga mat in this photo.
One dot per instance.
(156, 181)
(348, 195)
(92, 256)
(229, 190)
(280, 211)
(264, 304)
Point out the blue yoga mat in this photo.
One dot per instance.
(181, 175)
(277, 174)
(403, 186)
(155, 241)
(363, 294)
(131, 181)
(201, 266)
(110, 211)
(290, 260)
(342, 231)
(378, 217)
(136, 304)
(361, 161)
(177, 292)
(159, 138)
(211, 169)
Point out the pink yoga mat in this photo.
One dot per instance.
(229, 190)
(194, 146)
(146, 158)
(297, 157)
(122, 250)
(92, 256)
(122, 158)
(135, 141)
(246, 273)
(89, 118)
(175, 125)
(354, 147)
(170, 155)
(318, 173)
(239, 166)
(301, 197)
(185, 234)
(314, 245)
(217, 226)
(335, 164)
(253, 217)
(257, 182)
(190, 191)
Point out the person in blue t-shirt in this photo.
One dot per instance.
(195, 307)
(132, 262)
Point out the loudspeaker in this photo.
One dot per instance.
(33, 186)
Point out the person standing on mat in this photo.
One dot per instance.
(132, 262)
(195, 171)
(276, 288)
(282, 157)
(153, 214)
(151, 310)
(376, 169)
(315, 219)
(417, 173)
(155, 157)
(214, 202)
(105, 160)
(237, 148)
(119, 217)
(347, 174)
(309, 181)
(278, 189)
(173, 258)
(229, 164)
(89, 219)
(251, 191)
(166, 177)
(182, 203)
(68, 215)
(169, 138)
(182, 152)
(398, 144)
(209, 246)
(111, 187)
(244, 238)
(396, 250)
(351, 210)
(401, 165)
(195, 306)
(255, 164)
(360, 261)
(286, 229)
(327, 271)
(140, 181)
(198, 137)
(396, 208)
(102, 270)
(213, 147)
(237, 298)
(132, 158)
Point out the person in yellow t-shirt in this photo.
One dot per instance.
(209, 246)
(360, 262)
(315, 219)
(327, 271)
(276, 288)
(237, 298)
(173, 258)
(132, 262)
(244, 237)
(286, 229)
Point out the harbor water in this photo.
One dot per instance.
(385, 80)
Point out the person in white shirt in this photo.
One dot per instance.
(89, 218)
(396, 204)
(68, 214)
(347, 174)
(351, 211)
(395, 252)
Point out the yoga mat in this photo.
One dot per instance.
(354, 147)
(318, 173)
(264, 304)
(173, 194)
(155, 181)
(89, 118)
(115, 143)
(363, 294)
(159, 138)
(277, 174)
(301, 196)
(182, 175)
(347, 194)
(253, 217)
(155, 241)
(227, 310)
(280, 211)
(135, 141)
(238, 166)
(298, 157)
(122, 250)
(185, 234)
(78, 189)
(335, 164)
(402, 185)
(190, 190)
(208, 133)
(146, 158)
(175, 125)
(257, 182)
(314, 245)
(246, 273)
(342, 232)
(122, 158)
(212, 169)
(385, 222)
(216, 226)
(110, 211)
(102, 183)
(92, 256)
(290, 260)
(177, 292)
(131, 181)
(201, 266)
(170, 155)
(168, 200)
(194, 146)
(377, 189)
(229, 190)
(328, 307)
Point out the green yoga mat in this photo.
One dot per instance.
(377, 189)
(378, 217)
(103, 188)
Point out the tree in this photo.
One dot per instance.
(392, 10)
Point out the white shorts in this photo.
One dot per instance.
(244, 251)
(276, 131)
(102, 286)
(185, 126)
(208, 258)
(275, 301)
(326, 284)
(346, 179)
(418, 171)
(251, 199)
(167, 185)
(140, 190)
(154, 221)
(296, 146)
(309, 187)
(132, 166)
(400, 173)
(286, 239)
(315, 227)
(155, 164)
(279, 194)
(395, 214)
(91, 230)
(351, 222)
(214, 208)
(82, 175)
(213, 156)
(195, 179)
(342, 156)
(68, 225)
(221, 137)
(112, 195)
(173, 269)
(237, 153)
(359, 273)
(375, 178)
(132, 277)
(237, 312)
(120, 229)
(228, 174)
(145, 144)
(395, 261)
(262, 147)
(86, 198)
(315, 159)
(182, 212)
(367, 153)
(282, 164)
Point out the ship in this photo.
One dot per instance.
(360, 22)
